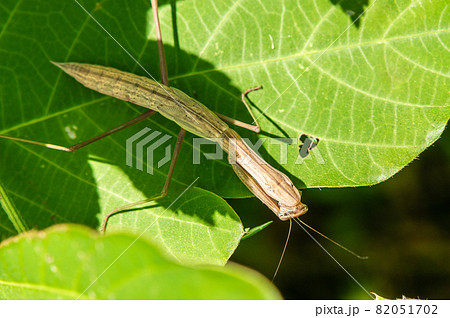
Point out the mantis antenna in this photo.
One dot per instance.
(284, 250)
(313, 229)
(332, 241)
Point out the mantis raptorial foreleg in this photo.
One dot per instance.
(256, 128)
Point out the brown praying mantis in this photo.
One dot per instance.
(271, 186)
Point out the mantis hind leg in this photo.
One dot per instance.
(82, 144)
(123, 209)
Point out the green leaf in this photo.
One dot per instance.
(14, 216)
(52, 264)
(255, 230)
(196, 228)
(378, 297)
(375, 99)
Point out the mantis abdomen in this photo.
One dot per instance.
(168, 101)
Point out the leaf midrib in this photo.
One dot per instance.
(305, 54)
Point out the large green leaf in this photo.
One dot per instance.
(375, 99)
(63, 261)
(40, 103)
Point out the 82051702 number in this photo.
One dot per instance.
(415, 309)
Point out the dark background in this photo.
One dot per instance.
(402, 225)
